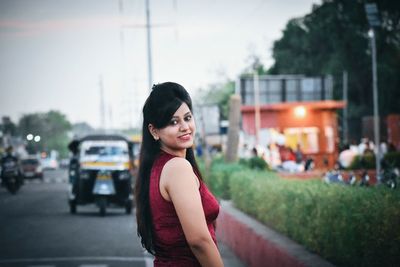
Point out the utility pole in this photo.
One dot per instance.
(102, 104)
(256, 83)
(376, 112)
(149, 60)
(234, 128)
(148, 30)
(345, 111)
(373, 20)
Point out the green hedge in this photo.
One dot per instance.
(256, 163)
(393, 158)
(349, 226)
(220, 177)
(368, 161)
(362, 162)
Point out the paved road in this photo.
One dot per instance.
(37, 230)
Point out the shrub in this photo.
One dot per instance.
(349, 226)
(368, 161)
(202, 168)
(363, 162)
(219, 178)
(393, 158)
(254, 163)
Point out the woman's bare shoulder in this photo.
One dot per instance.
(177, 166)
(174, 177)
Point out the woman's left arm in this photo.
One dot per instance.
(181, 184)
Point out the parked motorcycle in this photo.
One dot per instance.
(389, 176)
(333, 177)
(364, 179)
(352, 179)
(336, 177)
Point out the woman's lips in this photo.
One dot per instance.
(185, 137)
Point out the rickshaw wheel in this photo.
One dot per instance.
(128, 207)
(72, 207)
(102, 206)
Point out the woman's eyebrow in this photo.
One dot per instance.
(188, 113)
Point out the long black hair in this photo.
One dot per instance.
(160, 106)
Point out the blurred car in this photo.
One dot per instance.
(49, 163)
(31, 168)
(64, 163)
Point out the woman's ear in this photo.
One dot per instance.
(153, 132)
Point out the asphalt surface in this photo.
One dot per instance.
(37, 230)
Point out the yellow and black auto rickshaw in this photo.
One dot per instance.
(100, 172)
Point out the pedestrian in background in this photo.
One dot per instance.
(299, 154)
(10, 161)
(175, 211)
(346, 157)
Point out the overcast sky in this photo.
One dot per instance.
(53, 53)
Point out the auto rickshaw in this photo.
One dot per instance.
(100, 172)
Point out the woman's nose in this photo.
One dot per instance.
(184, 126)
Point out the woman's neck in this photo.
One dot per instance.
(178, 153)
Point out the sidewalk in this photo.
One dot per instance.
(228, 257)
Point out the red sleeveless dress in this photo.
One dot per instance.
(171, 248)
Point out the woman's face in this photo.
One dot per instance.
(178, 135)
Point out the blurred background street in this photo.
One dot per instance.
(296, 104)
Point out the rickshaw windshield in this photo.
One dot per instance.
(93, 149)
(106, 151)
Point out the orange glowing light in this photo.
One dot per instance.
(300, 111)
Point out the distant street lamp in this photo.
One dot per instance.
(29, 137)
(373, 20)
(33, 141)
(37, 138)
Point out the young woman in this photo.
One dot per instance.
(175, 211)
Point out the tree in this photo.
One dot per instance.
(254, 65)
(32, 124)
(218, 94)
(8, 127)
(333, 38)
(52, 127)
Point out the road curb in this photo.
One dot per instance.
(259, 246)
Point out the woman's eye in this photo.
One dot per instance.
(188, 118)
(173, 122)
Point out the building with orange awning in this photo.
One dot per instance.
(299, 108)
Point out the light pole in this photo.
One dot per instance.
(345, 110)
(149, 59)
(373, 20)
(256, 82)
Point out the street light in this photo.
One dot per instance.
(37, 138)
(373, 20)
(32, 142)
(29, 137)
